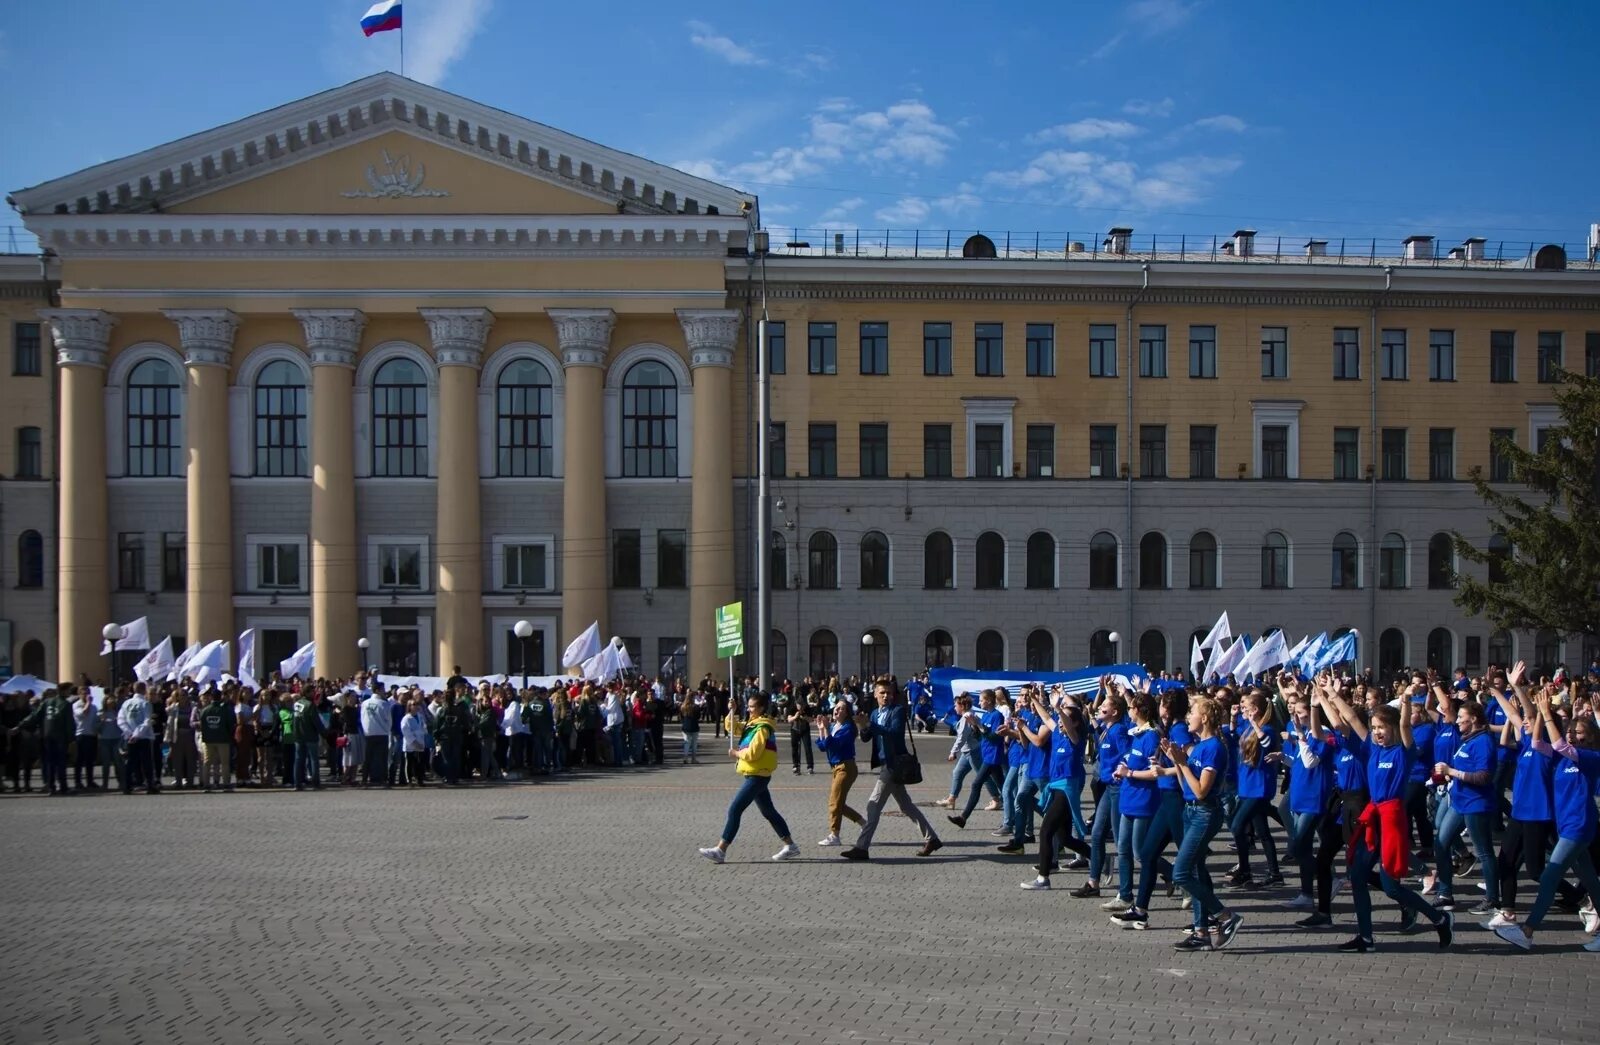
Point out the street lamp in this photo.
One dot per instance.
(1115, 638)
(113, 634)
(523, 630)
(362, 644)
(866, 658)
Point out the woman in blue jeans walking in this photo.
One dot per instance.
(1140, 797)
(757, 752)
(1166, 826)
(1113, 744)
(1200, 769)
(1260, 752)
(1473, 799)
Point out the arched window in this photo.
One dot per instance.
(1202, 561)
(400, 419)
(1546, 651)
(1500, 648)
(524, 439)
(649, 421)
(874, 561)
(779, 562)
(33, 658)
(824, 658)
(30, 559)
(1153, 650)
(1441, 651)
(1392, 572)
(1041, 651)
(875, 655)
(1391, 652)
(991, 651)
(1041, 560)
(155, 421)
(991, 571)
(822, 569)
(1346, 561)
(939, 649)
(1441, 562)
(938, 561)
(778, 655)
(1103, 561)
(280, 420)
(1275, 561)
(1499, 557)
(1101, 650)
(1152, 561)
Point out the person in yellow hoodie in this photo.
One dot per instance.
(757, 752)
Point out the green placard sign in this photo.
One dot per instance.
(730, 630)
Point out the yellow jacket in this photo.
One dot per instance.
(759, 744)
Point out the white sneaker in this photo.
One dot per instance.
(1430, 884)
(1593, 946)
(1037, 883)
(1514, 935)
(831, 840)
(1591, 921)
(713, 854)
(788, 852)
(1115, 905)
(1301, 902)
(1498, 920)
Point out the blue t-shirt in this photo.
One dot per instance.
(1349, 766)
(1572, 794)
(1421, 751)
(1473, 755)
(1386, 769)
(1531, 782)
(1037, 757)
(1229, 735)
(841, 746)
(1495, 715)
(1309, 788)
(1140, 797)
(1445, 738)
(1259, 780)
(1113, 744)
(1207, 754)
(1178, 733)
(989, 748)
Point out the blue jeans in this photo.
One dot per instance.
(305, 764)
(1302, 848)
(1252, 814)
(1023, 807)
(1075, 786)
(1166, 826)
(1131, 832)
(1201, 822)
(754, 789)
(639, 737)
(1106, 816)
(1008, 797)
(1477, 824)
(1568, 853)
(615, 736)
(1362, 862)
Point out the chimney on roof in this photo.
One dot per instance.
(1227, 247)
(1117, 240)
(1418, 248)
(1316, 248)
(1244, 242)
(1458, 253)
(1472, 249)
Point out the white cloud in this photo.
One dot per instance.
(709, 40)
(440, 34)
(1223, 122)
(1161, 16)
(842, 210)
(909, 210)
(1089, 179)
(1104, 50)
(1090, 129)
(1146, 107)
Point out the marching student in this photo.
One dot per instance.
(1028, 726)
(1140, 796)
(1113, 744)
(1470, 773)
(985, 726)
(1531, 826)
(1067, 733)
(1313, 814)
(1260, 752)
(887, 729)
(837, 740)
(1200, 769)
(1166, 826)
(757, 755)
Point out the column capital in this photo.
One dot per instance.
(458, 334)
(332, 334)
(206, 334)
(710, 334)
(82, 335)
(584, 334)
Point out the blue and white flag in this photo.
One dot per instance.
(1228, 663)
(1267, 654)
(156, 663)
(135, 635)
(1342, 650)
(1309, 655)
(948, 682)
(1220, 632)
(583, 648)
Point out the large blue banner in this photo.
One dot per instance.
(947, 682)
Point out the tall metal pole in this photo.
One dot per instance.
(763, 533)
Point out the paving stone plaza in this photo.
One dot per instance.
(577, 910)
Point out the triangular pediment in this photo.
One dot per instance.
(359, 149)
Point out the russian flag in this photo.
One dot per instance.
(381, 17)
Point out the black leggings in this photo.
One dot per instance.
(800, 740)
(1524, 844)
(1417, 810)
(1055, 832)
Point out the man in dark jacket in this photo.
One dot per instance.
(53, 720)
(885, 729)
(536, 715)
(308, 729)
(451, 731)
(217, 722)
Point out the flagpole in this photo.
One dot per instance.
(402, 45)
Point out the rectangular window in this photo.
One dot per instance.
(1441, 454)
(777, 347)
(1041, 451)
(1274, 353)
(824, 452)
(30, 453)
(988, 451)
(1441, 355)
(822, 348)
(278, 566)
(1541, 436)
(778, 456)
(989, 349)
(1347, 453)
(1274, 451)
(1474, 652)
(1394, 454)
(936, 349)
(399, 566)
(1202, 451)
(174, 562)
(1396, 364)
(1153, 350)
(1102, 451)
(526, 566)
(1499, 461)
(1153, 451)
(1102, 350)
(936, 451)
(875, 451)
(1502, 356)
(1346, 354)
(1591, 354)
(130, 561)
(1549, 355)
(874, 348)
(625, 568)
(1041, 349)
(1203, 351)
(25, 349)
(672, 559)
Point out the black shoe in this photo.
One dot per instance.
(1085, 891)
(1240, 881)
(959, 820)
(1077, 863)
(931, 846)
(1132, 918)
(854, 853)
(1314, 920)
(1223, 930)
(1483, 907)
(1358, 945)
(1465, 865)
(1408, 921)
(1193, 942)
(1029, 839)
(1010, 848)
(1447, 930)
(1271, 881)
(1445, 903)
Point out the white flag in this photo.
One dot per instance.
(1219, 632)
(1297, 649)
(1263, 656)
(300, 663)
(209, 664)
(1229, 664)
(247, 651)
(155, 663)
(176, 671)
(1218, 651)
(624, 661)
(1197, 659)
(584, 647)
(135, 635)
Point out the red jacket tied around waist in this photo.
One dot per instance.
(1385, 829)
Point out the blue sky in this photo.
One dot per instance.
(1189, 117)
